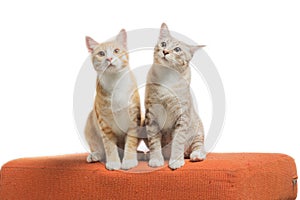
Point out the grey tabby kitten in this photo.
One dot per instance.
(171, 119)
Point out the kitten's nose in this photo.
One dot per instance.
(109, 59)
(165, 52)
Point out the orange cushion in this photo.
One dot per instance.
(222, 176)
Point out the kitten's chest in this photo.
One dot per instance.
(168, 93)
(115, 116)
(169, 82)
(116, 101)
(119, 88)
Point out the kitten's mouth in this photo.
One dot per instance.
(164, 58)
(110, 65)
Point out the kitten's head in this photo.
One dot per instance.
(111, 56)
(172, 52)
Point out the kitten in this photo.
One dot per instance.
(171, 119)
(115, 118)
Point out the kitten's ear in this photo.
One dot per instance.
(122, 38)
(164, 31)
(195, 48)
(90, 44)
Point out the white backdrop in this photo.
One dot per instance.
(254, 44)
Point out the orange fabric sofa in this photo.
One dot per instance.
(221, 176)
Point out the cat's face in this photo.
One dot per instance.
(110, 56)
(172, 52)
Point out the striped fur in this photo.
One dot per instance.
(171, 119)
(112, 125)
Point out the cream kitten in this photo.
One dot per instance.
(115, 118)
(171, 119)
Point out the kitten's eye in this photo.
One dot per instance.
(116, 50)
(177, 49)
(163, 44)
(101, 53)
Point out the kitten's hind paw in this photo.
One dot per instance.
(197, 156)
(128, 164)
(113, 165)
(94, 157)
(154, 162)
(175, 164)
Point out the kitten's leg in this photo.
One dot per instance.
(93, 137)
(131, 140)
(197, 146)
(179, 139)
(130, 151)
(111, 150)
(154, 140)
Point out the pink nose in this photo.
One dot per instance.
(109, 59)
(165, 52)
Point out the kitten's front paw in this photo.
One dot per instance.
(113, 165)
(128, 164)
(154, 162)
(197, 155)
(93, 157)
(175, 164)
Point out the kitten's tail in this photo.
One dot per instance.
(142, 129)
(142, 135)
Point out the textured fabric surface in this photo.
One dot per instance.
(222, 176)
